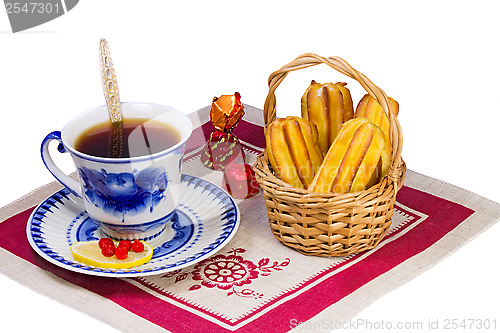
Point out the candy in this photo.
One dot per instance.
(222, 150)
(226, 111)
(239, 181)
(223, 147)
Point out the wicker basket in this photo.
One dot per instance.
(330, 224)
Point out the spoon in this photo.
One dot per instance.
(112, 96)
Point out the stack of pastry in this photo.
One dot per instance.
(331, 147)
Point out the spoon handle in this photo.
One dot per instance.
(109, 83)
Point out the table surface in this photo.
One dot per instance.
(440, 64)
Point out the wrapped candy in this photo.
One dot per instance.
(239, 181)
(226, 111)
(223, 147)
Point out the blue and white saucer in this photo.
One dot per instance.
(206, 219)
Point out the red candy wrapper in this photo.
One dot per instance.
(239, 181)
(223, 147)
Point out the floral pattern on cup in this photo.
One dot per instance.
(124, 193)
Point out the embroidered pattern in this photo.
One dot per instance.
(229, 272)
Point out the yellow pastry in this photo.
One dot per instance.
(292, 150)
(327, 106)
(352, 158)
(369, 108)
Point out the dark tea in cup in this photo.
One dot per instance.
(139, 137)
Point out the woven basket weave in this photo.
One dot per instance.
(330, 224)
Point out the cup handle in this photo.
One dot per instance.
(64, 179)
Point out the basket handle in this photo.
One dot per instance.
(339, 64)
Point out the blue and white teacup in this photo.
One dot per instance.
(127, 197)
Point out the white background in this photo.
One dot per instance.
(439, 59)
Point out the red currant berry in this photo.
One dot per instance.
(137, 246)
(108, 251)
(126, 244)
(105, 241)
(121, 253)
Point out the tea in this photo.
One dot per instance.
(139, 137)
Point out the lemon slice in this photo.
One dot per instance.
(89, 253)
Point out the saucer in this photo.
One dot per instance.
(205, 220)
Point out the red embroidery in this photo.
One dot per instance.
(224, 272)
(229, 272)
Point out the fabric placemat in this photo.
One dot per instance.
(255, 282)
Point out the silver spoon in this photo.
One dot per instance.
(112, 96)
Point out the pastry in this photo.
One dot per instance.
(292, 150)
(352, 158)
(328, 106)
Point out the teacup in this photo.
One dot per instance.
(129, 198)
